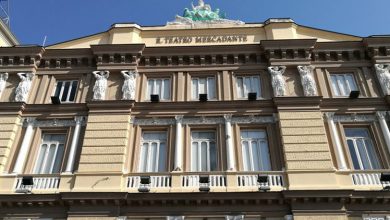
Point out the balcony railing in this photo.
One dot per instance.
(134, 182)
(368, 179)
(39, 183)
(250, 180)
(188, 181)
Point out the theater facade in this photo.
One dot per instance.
(202, 118)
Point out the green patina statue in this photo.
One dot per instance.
(202, 15)
(202, 12)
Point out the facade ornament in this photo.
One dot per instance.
(100, 87)
(234, 217)
(129, 85)
(204, 120)
(202, 14)
(383, 73)
(278, 83)
(21, 93)
(3, 80)
(307, 80)
(175, 217)
(54, 122)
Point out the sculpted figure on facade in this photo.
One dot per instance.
(202, 14)
(3, 80)
(307, 80)
(21, 93)
(100, 87)
(129, 85)
(278, 83)
(383, 72)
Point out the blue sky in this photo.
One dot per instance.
(62, 20)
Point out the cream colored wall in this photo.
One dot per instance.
(10, 126)
(132, 34)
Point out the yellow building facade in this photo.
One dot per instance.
(220, 120)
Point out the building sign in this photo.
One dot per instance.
(202, 39)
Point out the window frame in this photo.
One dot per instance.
(264, 87)
(251, 76)
(147, 95)
(376, 138)
(45, 155)
(208, 153)
(251, 169)
(138, 167)
(338, 83)
(69, 91)
(357, 74)
(207, 77)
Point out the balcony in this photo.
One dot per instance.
(39, 182)
(368, 179)
(218, 181)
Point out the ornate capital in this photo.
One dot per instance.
(79, 119)
(179, 118)
(228, 117)
(30, 121)
(329, 115)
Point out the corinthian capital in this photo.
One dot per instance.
(228, 117)
(329, 115)
(381, 114)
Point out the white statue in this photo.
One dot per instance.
(3, 80)
(383, 72)
(24, 86)
(308, 82)
(99, 89)
(201, 6)
(278, 83)
(128, 88)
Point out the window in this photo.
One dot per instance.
(343, 84)
(248, 84)
(255, 150)
(153, 152)
(203, 151)
(161, 87)
(361, 148)
(66, 90)
(376, 217)
(204, 85)
(50, 154)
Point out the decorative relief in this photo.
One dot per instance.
(21, 93)
(3, 80)
(100, 87)
(204, 120)
(383, 73)
(202, 14)
(278, 83)
(54, 122)
(307, 80)
(129, 85)
(349, 117)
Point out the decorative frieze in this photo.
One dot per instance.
(204, 120)
(354, 118)
(55, 122)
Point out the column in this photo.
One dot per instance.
(19, 164)
(229, 143)
(73, 147)
(178, 163)
(385, 129)
(336, 139)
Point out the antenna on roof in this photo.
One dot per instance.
(44, 41)
(4, 12)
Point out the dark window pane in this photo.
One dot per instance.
(66, 90)
(73, 91)
(58, 89)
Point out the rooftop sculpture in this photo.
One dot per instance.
(202, 14)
